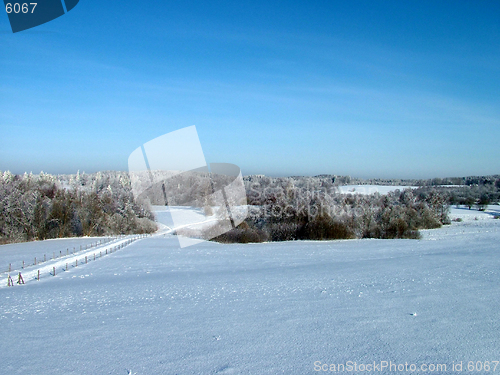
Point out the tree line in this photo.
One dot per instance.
(300, 208)
(38, 207)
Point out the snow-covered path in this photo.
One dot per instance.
(62, 264)
(153, 308)
(14, 254)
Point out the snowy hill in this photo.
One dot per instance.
(289, 307)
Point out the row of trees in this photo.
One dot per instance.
(447, 181)
(45, 206)
(37, 207)
(312, 208)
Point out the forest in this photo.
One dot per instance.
(38, 207)
(43, 206)
(312, 208)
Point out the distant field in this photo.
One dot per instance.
(371, 189)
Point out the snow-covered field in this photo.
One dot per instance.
(153, 308)
(371, 189)
(463, 213)
(381, 189)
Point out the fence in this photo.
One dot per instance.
(28, 273)
(55, 255)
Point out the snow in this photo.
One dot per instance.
(371, 189)
(185, 217)
(16, 253)
(381, 189)
(194, 219)
(36, 271)
(153, 308)
(463, 213)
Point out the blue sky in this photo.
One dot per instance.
(392, 89)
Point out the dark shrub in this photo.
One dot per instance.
(322, 227)
(242, 234)
(398, 228)
(283, 231)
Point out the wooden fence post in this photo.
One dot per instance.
(53, 271)
(66, 266)
(38, 278)
(85, 259)
(10, 267)
(23, 264)
(35, 261)
(76, 263)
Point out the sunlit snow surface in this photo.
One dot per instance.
(152, 308)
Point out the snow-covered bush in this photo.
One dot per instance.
(242, 234)
(45, 206)
(302, 208)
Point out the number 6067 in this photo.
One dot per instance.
(18, 8)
